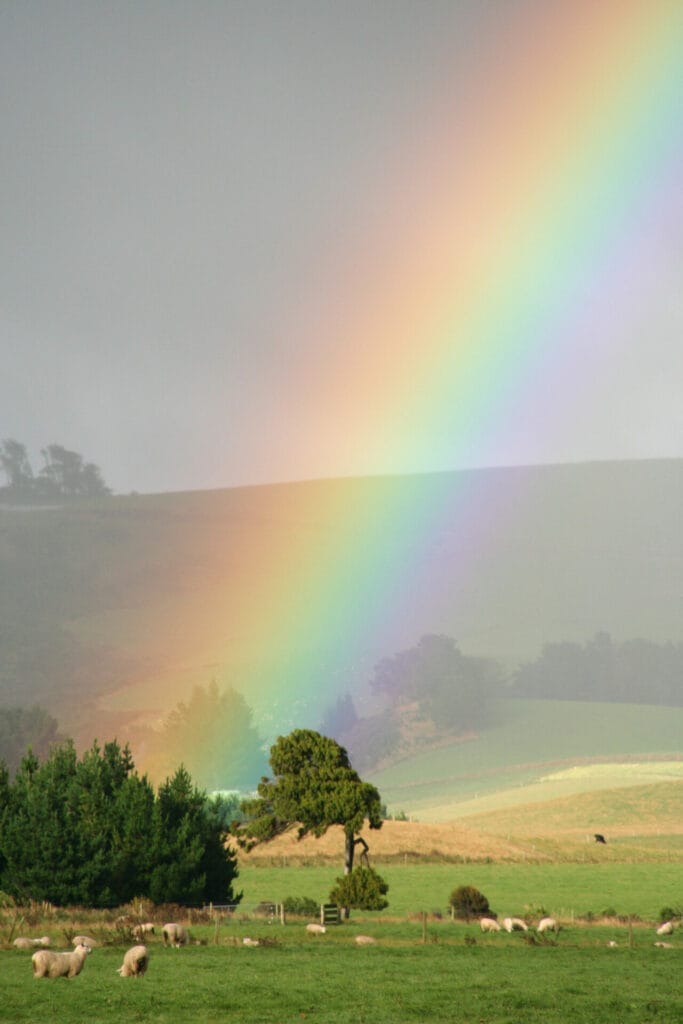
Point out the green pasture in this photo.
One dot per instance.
(446, 972)
(566, 890)
(530, 741)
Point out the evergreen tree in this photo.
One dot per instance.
(91, 832)
(314, 787)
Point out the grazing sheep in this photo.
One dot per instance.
(514, 924)
(666, 929)
(365, 940)
(47, 964)
(250, 942)
(135, 962)
(175, 935)
(315, 929)
(548, 924)
(84, 940)
(140, 930)
(599, 838)
(612, 944)
(22, 942)
(663, 945)
(488, 924)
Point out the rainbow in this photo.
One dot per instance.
(521, 234)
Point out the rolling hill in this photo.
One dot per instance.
(111, 610)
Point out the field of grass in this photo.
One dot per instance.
(449, 972)
(564, 890)
(532, 753)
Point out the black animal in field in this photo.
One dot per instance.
(599, 838)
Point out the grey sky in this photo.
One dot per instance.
(175, 177)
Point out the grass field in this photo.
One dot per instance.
(565, 890)
(449, 973)
(538, 750)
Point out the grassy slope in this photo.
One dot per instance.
(91, 596)
(531, 741)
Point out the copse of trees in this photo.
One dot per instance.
(91, 831)
(635, 672)
(64, 474)
(21, 728)
(221, 745)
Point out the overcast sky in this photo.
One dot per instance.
(177, 181)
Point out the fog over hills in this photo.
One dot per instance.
(112, 610)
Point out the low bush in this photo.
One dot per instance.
(468, 902)
(300, 906)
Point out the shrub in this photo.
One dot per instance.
(302, 906)
(362, 889)
(468, 902)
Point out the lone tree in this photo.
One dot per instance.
(313, 787)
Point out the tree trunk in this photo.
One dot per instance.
(349, 848)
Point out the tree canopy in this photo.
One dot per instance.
(21, 728)
(214, 729)
(91, 831)
(64, 474)
(313, 787)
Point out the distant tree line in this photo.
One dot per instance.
(424, 692)
(64, 474)
(90, 831)
(632, 672)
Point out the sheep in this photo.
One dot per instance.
(140, 930)
(246, 941)
(488, 924)
(548, 924)
(365, 940)
(315, 929)
(514, 924)
(612, 944)
(135, 962)
(663, 945)
(175, 935)
(47, 964)
(666, 929)
(84, 940)
(22, 942)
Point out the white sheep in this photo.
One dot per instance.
(246, 941)
(612, 944)
(489, 924)
(135, 962)
(315, 929)
(175, 935)
(663, 945)
(365, 940)
(548, 924)
(84, 940)
(22, 942)
(47, 964)
(140, 930)
(666, 929)
(515, 924)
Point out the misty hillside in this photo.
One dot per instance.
(113, 608)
